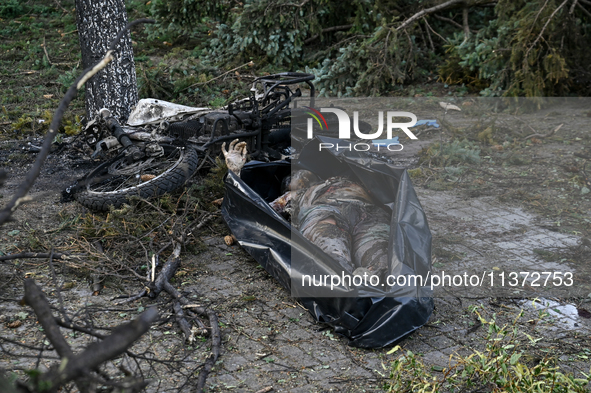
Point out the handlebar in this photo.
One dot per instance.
(270, 82)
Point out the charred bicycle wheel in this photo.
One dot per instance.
(114, 182)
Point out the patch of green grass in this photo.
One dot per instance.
(505, 365)
(455, 152)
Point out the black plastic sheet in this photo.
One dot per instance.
(368, 317)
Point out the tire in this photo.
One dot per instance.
(114, 182)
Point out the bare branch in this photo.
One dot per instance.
(544, 29)
(168, 271)
(466, 25)
(428, 11)
(434, 32)
(543, 135)
(584, 10)
(98, 352)
(429, 35)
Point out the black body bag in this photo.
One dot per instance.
(368, 317)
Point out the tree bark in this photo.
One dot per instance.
(114, 87)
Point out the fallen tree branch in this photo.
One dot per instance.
(428, 11)
(216, 336)
(74, 367)
(543, 135)
(36, 300)
(99, 352)
(168, 271)
(544, 29)
(442, 6)
(20, 195)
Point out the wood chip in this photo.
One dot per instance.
(447, 106)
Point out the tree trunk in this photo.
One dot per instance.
(114, 87)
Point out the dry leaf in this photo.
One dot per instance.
(147, 177)
(218, 202)
(536, 140)
(497, 147)
(69, 285)
(14, 325)
(47, 95)
(447, 106)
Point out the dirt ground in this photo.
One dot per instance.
(521, 207)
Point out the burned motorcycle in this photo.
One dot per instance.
(161, 145)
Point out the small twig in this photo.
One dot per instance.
(24, 72)
(327, 30)
(133, 298)
(57, 288)
(60, 5)
(543, 135)
(265, 390)
(56, 255)
(49, 60)
(250, 64)
(216, 336)
(572, 7)
(153, 268)
(448, 20)
(434, 32)
(429, 35)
